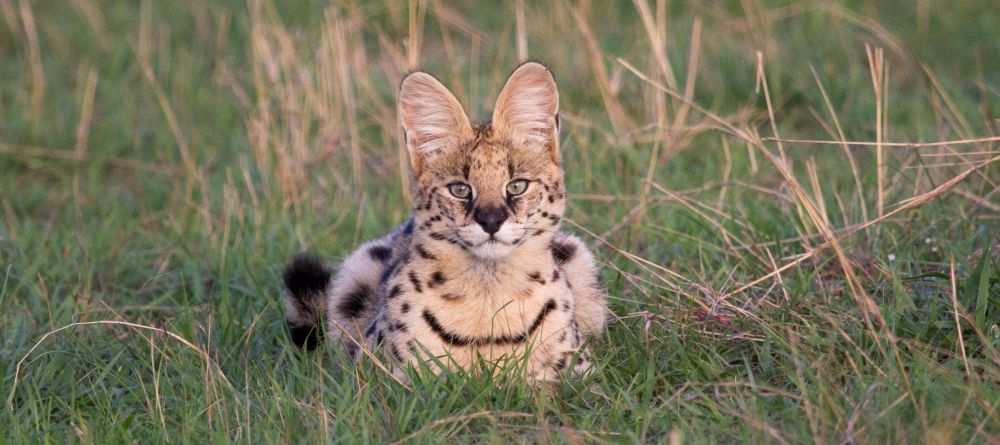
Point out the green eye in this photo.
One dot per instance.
(517, 187)
(459, 190)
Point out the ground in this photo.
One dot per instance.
(795, 205)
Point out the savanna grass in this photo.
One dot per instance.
(795, 202)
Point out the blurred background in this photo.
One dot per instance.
(795, 203)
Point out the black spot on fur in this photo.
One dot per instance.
(437, 278)
(536, 277)
(307, 337)
(562, 337)
(448, 337)
(399, 326)
(458, 340)
(371, 328)
(560, 364)
(408, 228)
(380, 253)
(562, 252)
(552, 199)
(387, 273)
(555, 274)
(396, 291)
(394, 268)
(306, 276)
(430, 198)
(354, 303)
(416, 282)
(451, 297)
(395, 351)
(424, 253)
(404, 308)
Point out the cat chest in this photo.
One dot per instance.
(461, 313)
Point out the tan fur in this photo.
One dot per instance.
(448, 293)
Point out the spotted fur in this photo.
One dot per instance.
(470, 277)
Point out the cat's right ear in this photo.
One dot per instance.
(431, 117)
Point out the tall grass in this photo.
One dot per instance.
(795, 203)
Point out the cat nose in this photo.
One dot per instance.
(490, 219)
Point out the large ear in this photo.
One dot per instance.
(431, 118)
(527, 109)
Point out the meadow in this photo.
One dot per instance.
(795, 204)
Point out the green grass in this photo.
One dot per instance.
(284, 139)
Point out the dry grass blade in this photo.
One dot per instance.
(859, 188)
(728, 236)
(879, 74)
(343, 62)
(209, 362)
(142, 56)
(9, 13)
(832, 239)
(35, 61)
(616, 112)
(72, 156)
(522, 32)
(958, 320)
(725, 124)
(462, 418)
(362, 346)
(657, 42)
(866, 303)
(908, 204)
(86, 116)
(645, 264)
(907, 145)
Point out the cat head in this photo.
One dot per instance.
(493, 187)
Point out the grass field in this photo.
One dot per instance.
(796, 205)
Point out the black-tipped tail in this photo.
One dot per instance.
(306, 279)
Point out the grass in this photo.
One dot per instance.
(159, 161)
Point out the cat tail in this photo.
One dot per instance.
(307, 282)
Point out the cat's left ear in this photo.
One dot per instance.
(527, 109)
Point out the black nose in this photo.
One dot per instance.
(490, 219)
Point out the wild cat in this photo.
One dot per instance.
(480, 272)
